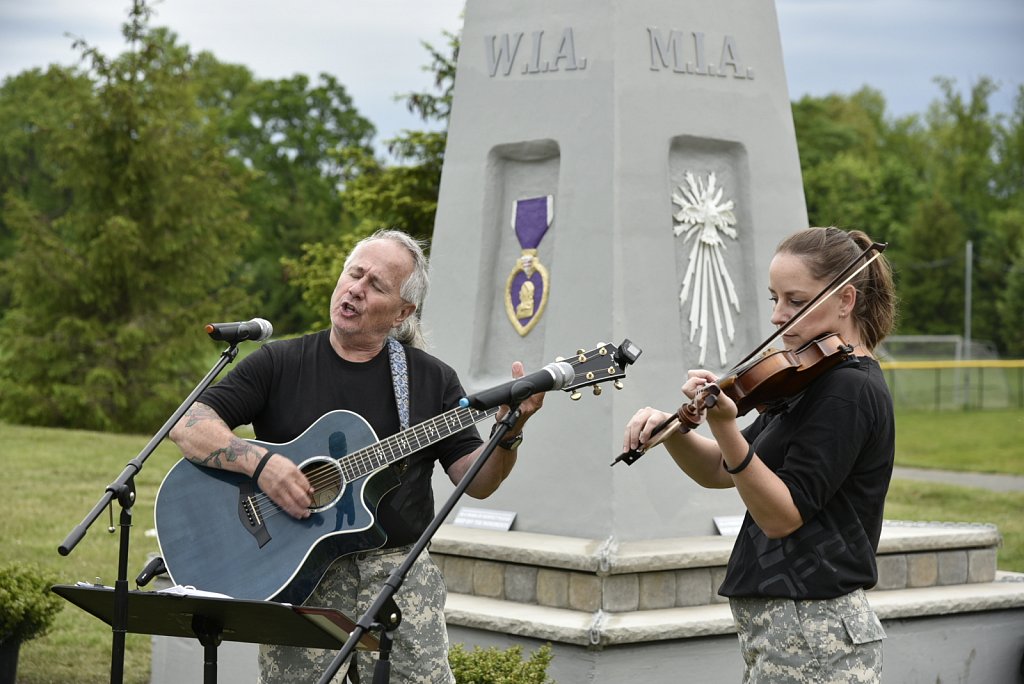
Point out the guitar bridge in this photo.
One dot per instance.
(250, 515)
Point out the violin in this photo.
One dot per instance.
(775, 374)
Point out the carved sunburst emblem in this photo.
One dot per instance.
(704, 218)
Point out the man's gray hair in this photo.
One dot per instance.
(414, 289)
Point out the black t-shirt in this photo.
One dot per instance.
(285, 386)
(833, 447)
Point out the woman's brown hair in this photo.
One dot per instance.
(827, 251)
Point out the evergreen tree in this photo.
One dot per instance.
(110, 290)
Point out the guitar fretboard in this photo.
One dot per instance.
(406, 442)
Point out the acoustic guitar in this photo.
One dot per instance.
(219, 532)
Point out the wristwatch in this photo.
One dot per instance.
(509, 443)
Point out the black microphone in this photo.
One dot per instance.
(257, 330)
(153, 568)
(553, 376)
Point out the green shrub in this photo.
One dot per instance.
(27, 606)
(493, 666)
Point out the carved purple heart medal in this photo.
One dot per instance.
(526, 291)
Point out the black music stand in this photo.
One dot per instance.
(212, 620)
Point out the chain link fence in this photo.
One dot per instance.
(943, 373)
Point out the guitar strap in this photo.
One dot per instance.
(400, 380)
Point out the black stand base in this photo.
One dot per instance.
(212, 620)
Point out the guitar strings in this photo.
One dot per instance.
(362, 462)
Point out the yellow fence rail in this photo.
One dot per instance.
(929, 365)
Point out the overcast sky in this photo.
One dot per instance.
(374, 46)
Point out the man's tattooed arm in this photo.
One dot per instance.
(198, 413)
(238, 449)
(206, 440)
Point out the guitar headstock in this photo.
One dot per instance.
(604, 363)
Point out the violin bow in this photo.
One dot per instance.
(661, 433)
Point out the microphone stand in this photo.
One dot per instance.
(383, 613)
(123, 489)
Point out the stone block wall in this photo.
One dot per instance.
(563, 573)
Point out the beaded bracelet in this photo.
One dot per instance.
(746, 461)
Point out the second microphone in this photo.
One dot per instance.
(554, 376)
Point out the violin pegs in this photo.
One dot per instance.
(617, 384)
(559, 359)
(575, 396)
(597, 390)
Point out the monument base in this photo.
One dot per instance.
(613, 611)
(972, 648)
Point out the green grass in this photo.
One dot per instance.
(968, 441)
(52, 479)
(975, 441)
(927, 501)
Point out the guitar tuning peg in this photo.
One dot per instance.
(597, 390)
(575, 396)
(617, 384)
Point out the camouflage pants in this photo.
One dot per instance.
(419, 653)
(809, 642)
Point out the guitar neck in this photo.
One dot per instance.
(402, 444)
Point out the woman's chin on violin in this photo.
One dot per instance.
(813, 467)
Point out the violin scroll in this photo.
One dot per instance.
(691, 415)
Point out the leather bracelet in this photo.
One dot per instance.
(259, 466)
(746, 461)
(508, 443)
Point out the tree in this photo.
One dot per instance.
(404, 195)
(926, 186)
(931, 270)
(963, 135)
(852, 179)
(401, 196)
(1011, 304)
(108, 289)
(288, 136)
(32, 107)
(1009, 189)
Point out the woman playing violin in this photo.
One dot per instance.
(812, 471)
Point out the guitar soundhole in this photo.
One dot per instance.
(328, 484)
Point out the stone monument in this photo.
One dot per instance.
(615, 169)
